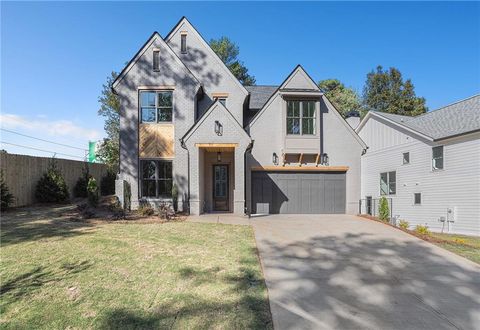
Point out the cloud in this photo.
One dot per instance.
(65, 128)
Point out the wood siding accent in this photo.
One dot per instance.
(156, 141)
(301, 168)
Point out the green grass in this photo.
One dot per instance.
(58, 273)
(466, 246)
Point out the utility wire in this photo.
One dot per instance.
(49, 151)
(32, 137)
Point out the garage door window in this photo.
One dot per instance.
(388, 184)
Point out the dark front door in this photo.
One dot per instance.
(220, 187)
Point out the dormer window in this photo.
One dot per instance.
(183, 42)
(301, 117)
(156, 60)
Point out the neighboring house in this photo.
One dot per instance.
(428, 165)
(187, 121)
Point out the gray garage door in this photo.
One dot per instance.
(298, 192)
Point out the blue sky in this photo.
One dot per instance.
(56, 56)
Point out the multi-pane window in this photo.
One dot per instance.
(183, 43)
(417, 198)
(437, 158)
(388, 182)
(156, 107)
(301, 117)
(156, 60)
(222, 100)
(156, 178)
(406, 158)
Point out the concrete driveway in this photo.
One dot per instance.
(344, 272)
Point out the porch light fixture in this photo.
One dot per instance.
(275, 159)
(219, 156)
(218, 128)
(325, 159)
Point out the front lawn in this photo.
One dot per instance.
(466, 246)
(58, 273)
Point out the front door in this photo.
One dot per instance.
(220, 187)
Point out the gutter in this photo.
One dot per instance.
(184, 146)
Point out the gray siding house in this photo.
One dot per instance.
(187, 121)
(429, 166)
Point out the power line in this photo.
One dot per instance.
(49, 151)
(32, 137)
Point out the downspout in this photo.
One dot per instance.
(183, 145)
(321, 132)
(249, 150)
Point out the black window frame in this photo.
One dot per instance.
(408, 158)
(391, 185)
(157, 108)
(434, 159)
(292, 117)
(163, 181)
(156, 60)
(419, 195)
(183, 43)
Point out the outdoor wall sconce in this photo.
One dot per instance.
(219, 156)
(275, 159)
(325, 159)
(218, 128)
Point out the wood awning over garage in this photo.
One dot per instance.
(300, 168)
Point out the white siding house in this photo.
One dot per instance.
(443, 193)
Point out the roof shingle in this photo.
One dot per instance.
(259, 95)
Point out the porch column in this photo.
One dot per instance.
(196, 171)
(239, 190)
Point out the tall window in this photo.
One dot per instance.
(156, 60)
(183, 43)
(406, 158)
(301, 117)
(156, 178)
(417, 198)
(437, 158)
(156, 107)
(388, 183)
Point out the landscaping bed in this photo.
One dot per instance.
(60, 271)
(465, 246)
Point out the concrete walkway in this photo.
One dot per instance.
(344, 272)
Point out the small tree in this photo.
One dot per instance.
(80, 189)
(52, 187)
(107, 184)
(6, 196)
(92, 189)
(384, 210)
(175, 197)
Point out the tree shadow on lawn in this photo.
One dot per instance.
(37, 223)
(359, 281)
(30, 281)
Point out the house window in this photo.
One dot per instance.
(301, 117)
(437, 158)
(183, 43)
(388, 183)
(417, 198)
(406, 158)
(156, 178)
(222, 100)
(156, 107)
(156, 60)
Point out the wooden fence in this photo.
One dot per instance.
(21, 173)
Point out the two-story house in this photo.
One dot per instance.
(187, 121)
(429, 166)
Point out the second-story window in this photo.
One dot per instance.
(156, 106)
(301, 117)
(437, 158)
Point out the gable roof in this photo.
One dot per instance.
(297, 69)
(155, 36)
(259, 95)
(455, 119)
(207, 46)
(216, 104)
(301, 70)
